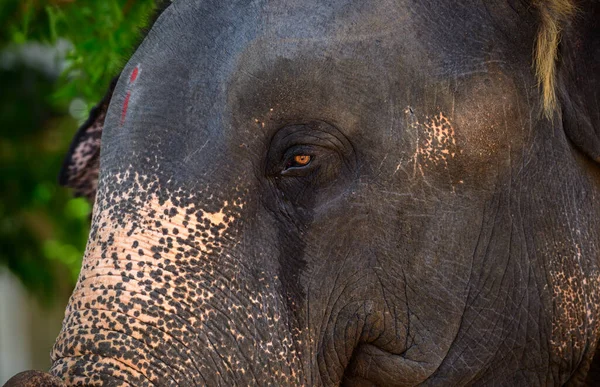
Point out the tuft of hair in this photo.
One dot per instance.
(554, 15)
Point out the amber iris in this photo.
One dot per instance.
(302, 159)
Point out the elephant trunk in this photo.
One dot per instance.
(162, 299)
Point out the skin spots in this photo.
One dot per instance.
(439, 143)
(161, 277)
(435, 142)
(83, 169)
(575, 296)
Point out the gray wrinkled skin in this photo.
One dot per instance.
(443, 233)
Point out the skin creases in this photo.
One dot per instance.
(158, 279)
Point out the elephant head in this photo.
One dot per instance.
(347, 192)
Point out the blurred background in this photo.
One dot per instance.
(57, 58)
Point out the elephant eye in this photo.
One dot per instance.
(297, 163)
(310, 153)
(300, 161)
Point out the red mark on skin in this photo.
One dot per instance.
(132, 79)
(134, 74)
(125, 106)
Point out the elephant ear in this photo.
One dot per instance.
(34, 379)
(82, 164)
(578, 78)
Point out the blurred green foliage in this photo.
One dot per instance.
(57, 58)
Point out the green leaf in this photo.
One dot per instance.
(43, 229)
(78, 208)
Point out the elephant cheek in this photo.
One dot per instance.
(161, 300)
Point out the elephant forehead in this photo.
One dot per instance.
(238, 72)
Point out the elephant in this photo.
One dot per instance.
(344, 192)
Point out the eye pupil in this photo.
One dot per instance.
(302, 159)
